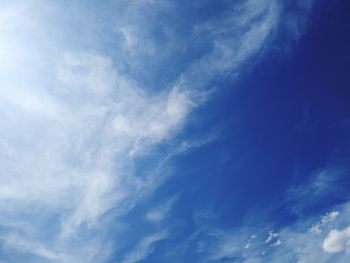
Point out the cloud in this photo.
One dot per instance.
(273, 239)
(18, 243)
(85, 99)
(321, 185)
(160, 212)
(68, 168)
(144, 248)
(337, 240)
(291, 243)
(236, 37)
(309, 238)
(326, 219)
(312, 238)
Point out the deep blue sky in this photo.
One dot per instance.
(278, 124)
(175, 131)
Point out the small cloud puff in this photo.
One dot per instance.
(272, 236)
(337, 241)
(325, 220)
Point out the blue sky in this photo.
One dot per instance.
(174, 131)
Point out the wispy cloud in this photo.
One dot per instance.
(17, 243)
(322, 184)
(310, 238)
(160, 212)
(326, 219)
(76, 116)
(144, 248)
(291, 243)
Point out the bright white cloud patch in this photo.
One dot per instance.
(337, 241)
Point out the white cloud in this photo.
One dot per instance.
(325, 220)
(324, 238)
(74, 123)
(277, 243)
(78, 165)
(271, 236)
(292, 243)
(337, 240)
(144, 248)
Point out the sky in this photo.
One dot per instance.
(174, 131)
